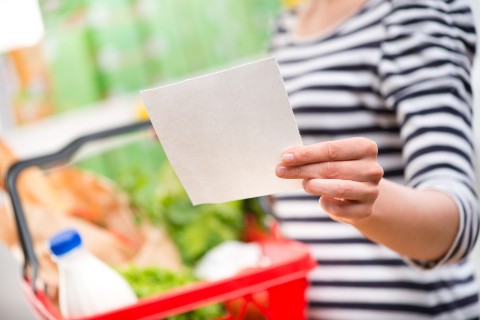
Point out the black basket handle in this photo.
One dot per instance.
(50, 160)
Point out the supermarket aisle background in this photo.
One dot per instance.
(116, 47)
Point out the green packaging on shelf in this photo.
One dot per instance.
(262, 15)
(226, 27)
(152, 52)
(71, 68)
(107, 12)
(193, 35)
(220, 28)
(233, 30)
(163, 56)
(206, 29)
(174, 59)
(185, 36)
(118, 50)
(245, 32)
(216, 31)
(256, 18)
(152, 48)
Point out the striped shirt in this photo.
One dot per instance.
(396, 72)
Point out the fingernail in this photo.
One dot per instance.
(287, 157)
(280, 171)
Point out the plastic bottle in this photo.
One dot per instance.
(88, 286)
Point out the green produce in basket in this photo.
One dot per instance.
(152, 280)
(160, 199)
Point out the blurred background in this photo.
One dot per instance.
(95, 50)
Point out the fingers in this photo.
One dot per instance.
(342, 189)
(340, 150)
(346, 211)
(345, 173)
(361, 170)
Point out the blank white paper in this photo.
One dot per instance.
(224, 133)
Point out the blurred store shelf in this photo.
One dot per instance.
(49, 135)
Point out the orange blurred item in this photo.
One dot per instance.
(33, 99)
(70, 191)
(97, 200)
(7, 158)
(8, 233)
(33, 185)
(29, 64)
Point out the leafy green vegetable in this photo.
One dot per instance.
(160, 199)
(152, 280)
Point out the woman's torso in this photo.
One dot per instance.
(333, 87)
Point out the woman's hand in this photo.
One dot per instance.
(344, 172)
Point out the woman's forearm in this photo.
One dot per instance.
(419, 224)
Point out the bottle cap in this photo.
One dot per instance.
(64, 242)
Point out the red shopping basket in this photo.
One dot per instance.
(275, 291)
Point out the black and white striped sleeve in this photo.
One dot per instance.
(425, 77)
